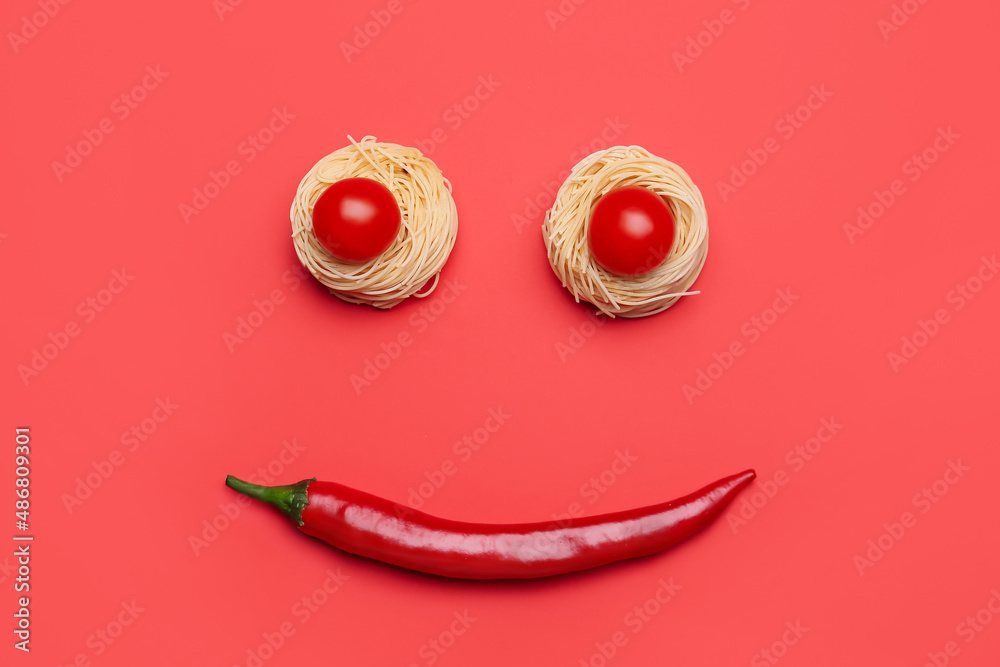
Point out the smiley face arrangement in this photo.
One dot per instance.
(374, 223)
(627, 233)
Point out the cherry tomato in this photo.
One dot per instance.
(356, 219)
(631, 230)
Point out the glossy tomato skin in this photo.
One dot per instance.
(356, 219)
(631, 231)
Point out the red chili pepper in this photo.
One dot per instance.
(367, 525)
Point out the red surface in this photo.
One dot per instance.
(795, 323)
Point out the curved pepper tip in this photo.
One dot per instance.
(742, 479)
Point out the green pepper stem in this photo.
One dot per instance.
(290, 499)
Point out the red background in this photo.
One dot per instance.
(503, 342)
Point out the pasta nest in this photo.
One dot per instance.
(566, 228)
(427, 231)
